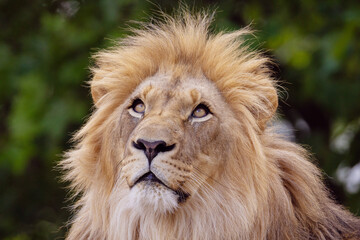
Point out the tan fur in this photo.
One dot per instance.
(243, 181)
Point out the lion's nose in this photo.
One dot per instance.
(151, 149)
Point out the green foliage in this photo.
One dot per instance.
(45, 49)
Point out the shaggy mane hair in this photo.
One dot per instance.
(275, 194)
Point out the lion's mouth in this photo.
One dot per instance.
(150, 177)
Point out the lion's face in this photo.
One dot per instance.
(173, 138)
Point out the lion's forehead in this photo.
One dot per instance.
(164, 90)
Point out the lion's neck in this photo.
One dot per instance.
(203, 217)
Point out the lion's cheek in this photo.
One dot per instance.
(174, 173)
(125, 128)
(206, 139)
(132, 168)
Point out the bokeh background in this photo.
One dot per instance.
(45, 51)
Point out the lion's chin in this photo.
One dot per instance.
(153, 197)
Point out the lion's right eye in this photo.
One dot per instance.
(137, 108)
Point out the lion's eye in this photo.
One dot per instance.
(137, 108)
(200, 111)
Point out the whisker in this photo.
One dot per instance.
(215, 180)
(206, 187)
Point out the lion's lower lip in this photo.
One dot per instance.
(149, 177)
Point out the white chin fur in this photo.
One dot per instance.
(152, 197)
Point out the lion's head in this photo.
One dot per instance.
(175, 136)
(178, 145)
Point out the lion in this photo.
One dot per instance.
(179, 145)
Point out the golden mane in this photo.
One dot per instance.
(282, 197)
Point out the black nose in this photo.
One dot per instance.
(151, 149)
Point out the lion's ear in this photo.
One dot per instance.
(264, 87)
(97, 93)
(263, 98)
(269, 102)
(98, 90)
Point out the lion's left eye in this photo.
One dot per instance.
(200, 111)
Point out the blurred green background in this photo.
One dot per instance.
(45, 49)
